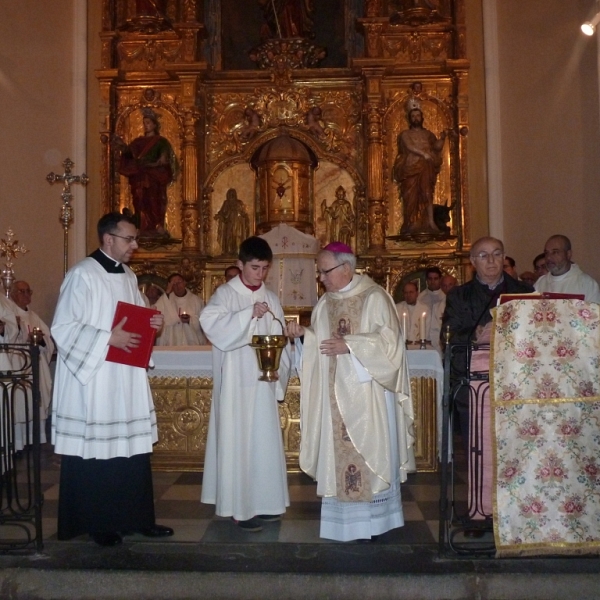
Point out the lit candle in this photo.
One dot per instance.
(404, 332)
(422, 326)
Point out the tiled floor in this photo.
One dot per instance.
(177, 498)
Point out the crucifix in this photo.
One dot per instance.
(10, 249)
(66, 211)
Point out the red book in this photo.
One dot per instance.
(138, 321)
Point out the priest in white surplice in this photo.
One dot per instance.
(245, 473)
(356, 410)
(103, 419)
(20, 294)
(181, 309)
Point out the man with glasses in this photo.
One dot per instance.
(468, 309)
(355, 401)
(564, 276)
(20, 294)
(103, 419)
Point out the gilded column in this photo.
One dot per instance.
(189, 166)
(105, 123)
(462, 122)
(373, 8)
(377, 209)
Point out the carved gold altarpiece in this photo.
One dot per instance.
(346, 116)
(285, 131)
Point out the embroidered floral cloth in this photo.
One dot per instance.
(545, 394)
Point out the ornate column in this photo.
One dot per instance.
(377, 208)
(462, 124)
(106, 79)
(189, 165)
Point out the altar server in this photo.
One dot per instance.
(245, 474)
(356, 411)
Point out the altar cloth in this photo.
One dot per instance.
(545, 400)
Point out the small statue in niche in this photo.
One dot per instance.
(339, 218)
(415, 170)
(233, 223)
(314, 122)
(251, 125)
(378, 270)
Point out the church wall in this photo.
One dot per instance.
(93, 148)
(36, 124)
(477, 161)
(550, 128)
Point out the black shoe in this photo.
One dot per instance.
(269, 518)
(156, 531)
(248, 524)
(107, 539)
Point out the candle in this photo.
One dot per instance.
(404, 332)
(422, 326)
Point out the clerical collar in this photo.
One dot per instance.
(254, 288)
(109, 264)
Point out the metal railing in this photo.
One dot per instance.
(465, 527)
(20, 469)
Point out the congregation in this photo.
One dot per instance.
(105, 434)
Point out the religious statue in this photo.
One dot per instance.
(287, 18)
(339, 218)
(234, 224)
(251, 124)
(149, 163)
(314, 121)
(416, 169)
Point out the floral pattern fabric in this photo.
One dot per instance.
(545, 394)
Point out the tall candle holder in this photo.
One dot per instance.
(9, 249)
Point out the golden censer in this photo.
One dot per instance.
(268, 352)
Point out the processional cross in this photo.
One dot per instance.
(66, 211)
(9, 249)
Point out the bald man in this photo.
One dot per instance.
(564, 276)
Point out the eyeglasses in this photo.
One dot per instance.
(128, 238)
(327, 271)
(495, 255)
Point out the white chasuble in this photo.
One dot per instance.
(374, 413)
(244, 469)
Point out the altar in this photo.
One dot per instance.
(181, 382)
